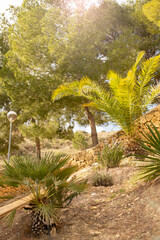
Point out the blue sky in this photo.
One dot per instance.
(109, 128)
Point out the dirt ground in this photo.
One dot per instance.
(128, 210)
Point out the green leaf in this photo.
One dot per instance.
(151, 161)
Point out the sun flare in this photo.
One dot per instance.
(87, 3)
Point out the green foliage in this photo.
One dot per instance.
(77, 43)
(25, 70)
(10, 217)
(65, 45)
(128, 98)
(150, 168)
(151, 11)
(101, 179)
(76, 90)
(79, 141)
(48, 180)
(44, 129)
(48, 43)
(125, 31)
(112, 155)
(65, 133)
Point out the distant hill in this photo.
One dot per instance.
(57, 145)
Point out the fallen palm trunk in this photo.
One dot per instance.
(15, 205)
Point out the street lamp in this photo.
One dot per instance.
(11, 117)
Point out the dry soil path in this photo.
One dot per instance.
(120, 212)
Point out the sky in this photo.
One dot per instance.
(4, 4)
(109, 128)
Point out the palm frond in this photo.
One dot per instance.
(48, 212)
(77, 186)
(114, 81)
(147, 72)
(139, 58)
(151, 144)
(152, 93)
(1, 183)
(131, 76)
(85, 86)
(151, 140)
(89, 88)
(68, 89)
(6, 197)
(65, 173)
(9, 218)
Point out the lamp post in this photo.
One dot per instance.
(11, 117)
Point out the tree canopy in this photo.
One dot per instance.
(48, 43)
(151, 11)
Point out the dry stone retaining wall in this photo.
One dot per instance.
(90, 156)
(152, 116)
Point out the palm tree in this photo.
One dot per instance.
(76, 89)
(128, 97)
(50, 183)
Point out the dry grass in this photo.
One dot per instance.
(58, 145)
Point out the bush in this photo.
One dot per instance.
(112, 155)
(151, 160)
(79, 141)
(50, 184)
(102, 179)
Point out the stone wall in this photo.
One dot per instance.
(152, 116)
(90, 156)
(86, 157)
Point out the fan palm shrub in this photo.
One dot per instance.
(128, 97)
(50, 183)
(150, 168)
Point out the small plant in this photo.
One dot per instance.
(112, 155)
(79, 141)
(150, 169)
(50, 184)
(102, 179)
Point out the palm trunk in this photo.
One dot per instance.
(93, 127)
(39, 225)
(38, 148)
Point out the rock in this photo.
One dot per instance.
(94, 232)
(117, 235)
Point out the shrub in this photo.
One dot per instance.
(102, 179)
(79, 141)
(50, 184)
(150, 169)
(112, 155)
